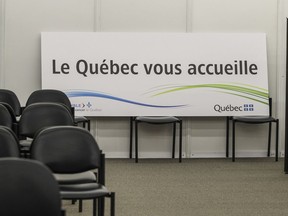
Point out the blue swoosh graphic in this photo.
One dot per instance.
(101, 95)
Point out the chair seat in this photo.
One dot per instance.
(84, 177)
(25, 143)
(157, 119)
(80, 119)
(83, 120)
(253, 119)
(83, 191)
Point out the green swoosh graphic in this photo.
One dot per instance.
(246, 91)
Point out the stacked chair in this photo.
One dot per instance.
(73, 150)
(37, 116)
(56, 96)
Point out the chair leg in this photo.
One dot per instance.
(136, 141)
(89, 124)
(174, 140)
(180, 141)
(101, 206)
(227, 136)
(277, 140)
(63, 212)
(80, 205)
(269, 140)
(233, 141)
(112, 204)
(94, 207)
(131, 137)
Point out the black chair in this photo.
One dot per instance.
(38, 116)
(72, 150)
(56, 96)
(9, 144)
(157, 120)
(253, 120)
(11, 98)
(9, 118)
(5, 117)
(28, 188)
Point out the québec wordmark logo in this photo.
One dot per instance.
(232, 108)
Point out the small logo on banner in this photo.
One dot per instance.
(79, 105)
(248, 107)
(89, 104)
(232, 108)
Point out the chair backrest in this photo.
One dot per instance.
(10, 110)
(11, 98)
(9, 145)
(40, 115)
(49, 95)
(66, 149)
(5, 117)
(28, 188)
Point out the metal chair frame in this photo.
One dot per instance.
(156, 121)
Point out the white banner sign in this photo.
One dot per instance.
(158, 74)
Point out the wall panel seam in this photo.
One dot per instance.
(97, 15)
(188, 16)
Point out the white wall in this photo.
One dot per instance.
(22, 22)
(2, 15)
(281, 65)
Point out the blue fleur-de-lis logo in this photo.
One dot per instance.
(248, 107)
(89, 104)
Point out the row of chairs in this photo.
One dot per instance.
(70, 153)
(11, 100)
(135, 121)
(34, 118)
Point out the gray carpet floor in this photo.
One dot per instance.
(195, 187)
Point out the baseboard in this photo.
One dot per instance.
(141, 155)
(239, 154)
